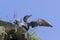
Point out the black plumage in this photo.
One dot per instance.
(35, 23)
(39, 22)
(26, 18)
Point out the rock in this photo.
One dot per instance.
(21, 34)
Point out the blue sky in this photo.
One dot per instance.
(46, 9)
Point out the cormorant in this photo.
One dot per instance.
(35, 23)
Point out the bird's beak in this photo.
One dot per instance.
(29, 16)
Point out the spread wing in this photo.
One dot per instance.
(39, 22)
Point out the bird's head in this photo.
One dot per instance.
(26, 18)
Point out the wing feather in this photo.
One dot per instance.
(39, 22)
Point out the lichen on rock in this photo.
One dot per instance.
(21, 34)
